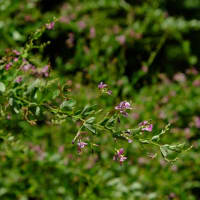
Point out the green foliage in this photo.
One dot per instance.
(59, 132)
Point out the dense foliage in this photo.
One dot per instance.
(99, 99)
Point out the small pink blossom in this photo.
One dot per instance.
(122, 107)
(197, 122)
(146, 126)
(50, 25)
(130, 141)
(15, 59)
(61, 149)
(180, 77)
(196, 83)
(119, 156)
(102, 85)
(45, 71)
(18, 79)
(144, 69)
(92, 32)
(192, 71)
(8, 66)
(81, 25)
(121, 39)
(81, 145)
(109, 92)
(65, 19)
(16, 52)
(70, 40)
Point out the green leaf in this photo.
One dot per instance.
(68, 105)
(155, 138)
(164, 151)
(91, 128)
(2, 87)
(88, 110)
(90, 120)
(37, 112)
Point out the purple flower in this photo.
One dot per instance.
(16, 52)
(16, 59)
(18, 79)
(102, 85)
(197, 122)
(45, 71)
(130, 141)
(70, 40)
(50, 25)
(146, 126)
(92, 32)
(8, 66)
(109, 92)
(122, 107)
(81, 25)
(180, 77)
(119, 156)
(121, 39)
(81, 145)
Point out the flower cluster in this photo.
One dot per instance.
(50, 25)
(122, 107)
(104, 88)
(119, 156)
(81, 145)
(146, 126)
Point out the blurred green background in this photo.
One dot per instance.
(147, 51)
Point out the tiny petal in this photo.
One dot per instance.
(109, 92)
(16, 52)
(50, 25)
(130, 141)
(120, 152)
(102, 85)
(8, 66)
(18, 79)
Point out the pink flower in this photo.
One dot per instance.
(119, 156)
(179, 77)
(65, 19)
(16, 52)
(45, 71)
(70, 40)
(102, 85)
(122, 107)
(109, 92)
(50, 25)
(16, 59)
(18, 79)
(197, 122)
(92, 32)
(192, 71)
(196, 83)
(81, 145)
(81, 25)
(61, 149)
(146, 126)
(130, 141)
(8, 66)
(144, 68)
(121, 39)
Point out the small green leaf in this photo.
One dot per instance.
(2, 87)
(37, 112)
(164, 151)
(155, 138)
(90, 120)
(91, 128)
(88, 110)
(68, 105)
